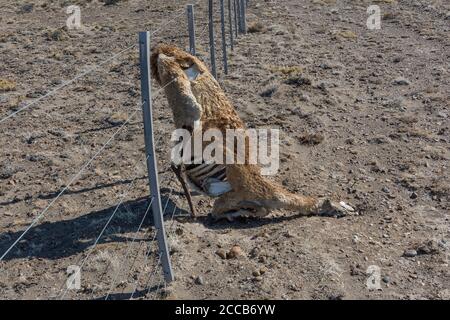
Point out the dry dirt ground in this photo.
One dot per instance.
(364, 118)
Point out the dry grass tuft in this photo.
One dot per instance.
(118, 118)
(286, 70)
(416, 132)
(347, 34)
(7, 85)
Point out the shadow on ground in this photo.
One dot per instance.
(247, 223)
(131, 295)
(55, 240)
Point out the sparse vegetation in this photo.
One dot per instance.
(7, 85)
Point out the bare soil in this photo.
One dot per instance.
(363, 116)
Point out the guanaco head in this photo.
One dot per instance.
(169, 62)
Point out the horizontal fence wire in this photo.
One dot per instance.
(66, 83)
(147, 255)
(139, 249)
(171, 233)
(118, 205)
(91, 69)
(72, 180)
(128, 251)
(83, 262)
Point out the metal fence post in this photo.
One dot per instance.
(212, 47)
(244, 16)
(144, 58)
(235, 9)
(224, 37)
(239, 15)
(230, 22)
(191, 26)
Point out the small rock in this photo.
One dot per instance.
(7, 171)
(254, 252)
(413, 195)
(288, 234)
(386, 190)
(234, 252)
(27, 8)
(325, 66)
(110, 2)
(256, 273)
(221, 253)
(325, 85)
(410, 253)
(34, 157)
(199, 280)
(263, 270)
(298, 81)
(117, 118)
(386, 279)
(168, 293)
(380, 140)
(400, 81)
(268, 92)
(174, 248)
(293, 287)
(304, 97)
(337, 296)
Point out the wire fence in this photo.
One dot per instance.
(80, 238)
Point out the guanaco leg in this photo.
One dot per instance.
(181, 176)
